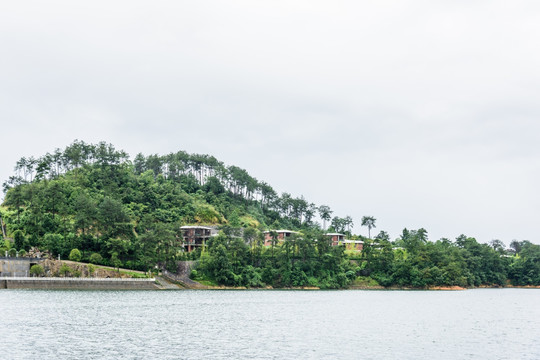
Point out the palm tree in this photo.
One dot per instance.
(325, 213)
(348, 223)
(368, 221)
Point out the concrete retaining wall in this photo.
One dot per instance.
(16, 266)
(77, 283)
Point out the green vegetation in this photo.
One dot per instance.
(301, 260)
(95, 258)
(421, 263)
(18, 239)
(91, 203)
(363, 281)
(36, 270)
(65, 270)
(75, 255)
(368, 221)
(91, 269)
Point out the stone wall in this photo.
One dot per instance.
(77, 284)
(185, 267)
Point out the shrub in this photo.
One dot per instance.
(312, 281)
(91, 269)
(95, 258)
(116, 262)
(12, 252)
(22, 253)
(65, 270)
(36, 270)
(252, 277)
(138, 276)
(75, 255)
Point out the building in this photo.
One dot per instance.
(196, 236)
(281, 236)
(335, 238)
(339, 239)
(357, 245)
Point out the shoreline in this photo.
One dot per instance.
(58, 283)
(72, 283)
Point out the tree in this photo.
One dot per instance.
(85, 212)
(18, 239)
(115, 261)
(75, 255)
(516, 246)
(338, 224)
(250, 234)
(325, 213)
(117, 247)
(55, 244)
(139, 164)
(348, 223)
(113, 217)
(56, 199)
(14, 194)
(382, 236)
(96, 258)
(497, 245)
(368, 221)
(222, 266)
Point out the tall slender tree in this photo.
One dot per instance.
(325, 213)
(369, 222)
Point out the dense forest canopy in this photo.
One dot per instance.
(92, 198)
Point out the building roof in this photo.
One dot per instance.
(334, 234)
(195, 227)
(353, 241)
(283, 231)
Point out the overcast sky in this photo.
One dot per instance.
(419, 113)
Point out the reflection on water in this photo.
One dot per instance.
(472, 324)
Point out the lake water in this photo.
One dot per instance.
(472, 324)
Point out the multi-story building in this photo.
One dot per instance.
(195, 236)
(281, 236)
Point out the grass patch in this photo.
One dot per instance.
(206, 282)
(365, 281)
(135, 275)
(131, 274)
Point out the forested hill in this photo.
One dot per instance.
(175, 188)
(91, 203)
(87, 195)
